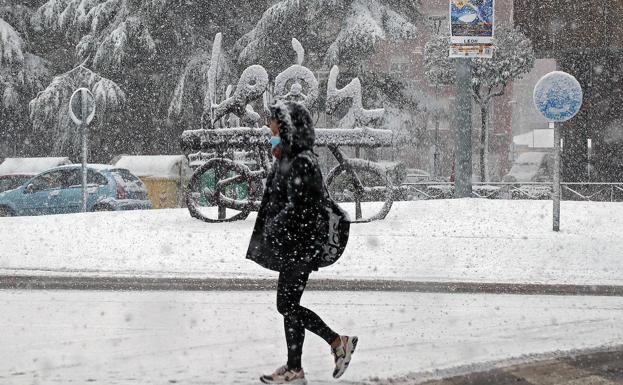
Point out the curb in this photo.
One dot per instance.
(579, 366)
(241, 284)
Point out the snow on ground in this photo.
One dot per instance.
(445, 240)
(62, 337)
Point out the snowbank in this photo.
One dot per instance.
(466, 240)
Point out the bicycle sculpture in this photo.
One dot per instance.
(231, 162)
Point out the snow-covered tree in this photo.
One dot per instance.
(513, 57)
(50, 117)
(202, 84)
(111, 34)
(114, 35)
(332, 31)
(144, 46)
(22, 75)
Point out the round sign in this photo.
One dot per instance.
(82, 106)
(558, 96)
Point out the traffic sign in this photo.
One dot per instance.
(82, 111)
(82, 106)
(558, 96)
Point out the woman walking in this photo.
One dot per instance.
(289, 236)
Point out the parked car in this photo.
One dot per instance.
(59, 191)
(16, 171)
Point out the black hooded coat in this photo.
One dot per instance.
(287, 233)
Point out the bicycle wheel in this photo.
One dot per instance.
(356, 181)
(221, 191)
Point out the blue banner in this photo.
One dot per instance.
(472, 19)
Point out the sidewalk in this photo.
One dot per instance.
(448, 241)
(597, 368)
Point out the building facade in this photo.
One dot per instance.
(585, 39)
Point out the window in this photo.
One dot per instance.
(12, 183)
(94, 177)
(71, 178)
(48, 181)
(126, 175)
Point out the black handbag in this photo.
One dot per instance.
(337, 227)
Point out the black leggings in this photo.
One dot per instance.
(296, 318)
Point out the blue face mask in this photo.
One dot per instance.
(275, 141)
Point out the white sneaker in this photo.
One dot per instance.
(342, 354)
(283, 375)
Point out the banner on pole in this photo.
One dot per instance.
(471, 28)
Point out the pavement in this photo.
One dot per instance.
(596, 368)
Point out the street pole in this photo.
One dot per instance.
(463, 161)
(436, 153)
(81, 111)
(558, 97)
(437, 22)
(557, 189)
(83, 129)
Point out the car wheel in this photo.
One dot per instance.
(6, 212)
(103, 208)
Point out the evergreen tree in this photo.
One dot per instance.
(344, 32)
(141, 46)
(22, 75)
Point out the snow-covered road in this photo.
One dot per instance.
(60, 337)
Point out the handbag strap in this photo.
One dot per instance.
(309, 155)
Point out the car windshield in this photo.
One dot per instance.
(12, 183)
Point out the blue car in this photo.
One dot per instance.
(59, 191)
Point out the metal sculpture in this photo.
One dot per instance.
(231, 162)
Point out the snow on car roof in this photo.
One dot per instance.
(93, 166)
(159, 166)
(30, 166)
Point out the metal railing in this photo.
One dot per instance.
(578, 191)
